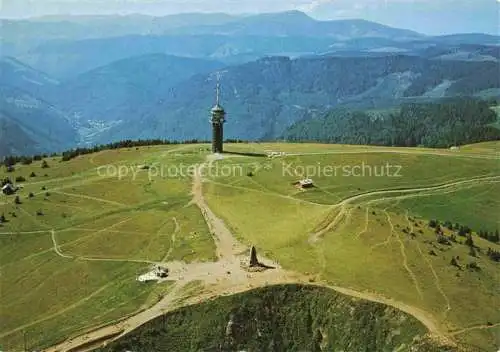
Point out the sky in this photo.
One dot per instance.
(425, 16)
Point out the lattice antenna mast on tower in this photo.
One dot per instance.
(217, 89)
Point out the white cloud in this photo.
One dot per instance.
(313, 5)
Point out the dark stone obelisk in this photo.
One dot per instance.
(253, 257)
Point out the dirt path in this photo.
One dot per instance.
(425, 318)
(226, 276)
(267, 193)
(228, 249)
(95, 259)
(476, 327)
(91, 198)
(394, 234)
(177, 229)
(429, 264)
(405, 261)
(472, 181)
(451, 189)
(391, 232)
(56, 246)
(315, 237)
(414, 192)
(61, 254)
(99, 231)
(227, 245)
(375, 150)
(59, 312)
(24, 232)
(141, 233)
(367, 221)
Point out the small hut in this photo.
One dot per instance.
(305, 183)
(9, 189)
(161, 272)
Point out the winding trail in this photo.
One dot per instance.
(429, 264)
(24, 232)
(58, 251)
(473, 181)
(400, 194)
(59, 312)
(385, 150)
(227, 245)
(91, 198)
(391, 232)
(315, 237)
(177, 229)
(267, 193)
(367, 220)
(476, 327)
(56, 246)
(95, 259)
(226, 276)
(405, 261)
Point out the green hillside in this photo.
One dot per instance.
(83, 230)
(278, 318)
(106, 231)
(444, 124)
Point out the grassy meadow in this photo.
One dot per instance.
(70, 254)
(370, 247)
(107, 228)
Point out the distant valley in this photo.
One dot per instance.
(155, 77)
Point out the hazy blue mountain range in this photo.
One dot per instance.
(159, 96)
(18, 75)
(13, 140)
(296, 23)
(429, 17)
(25, 34)
(87, 85)
(65, 47)
(126, 87)
(265, 96)
(25, 119)
(82, 56)
(274, 24)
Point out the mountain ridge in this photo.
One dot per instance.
(120, 81)
(265, 96)
(166, 97)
